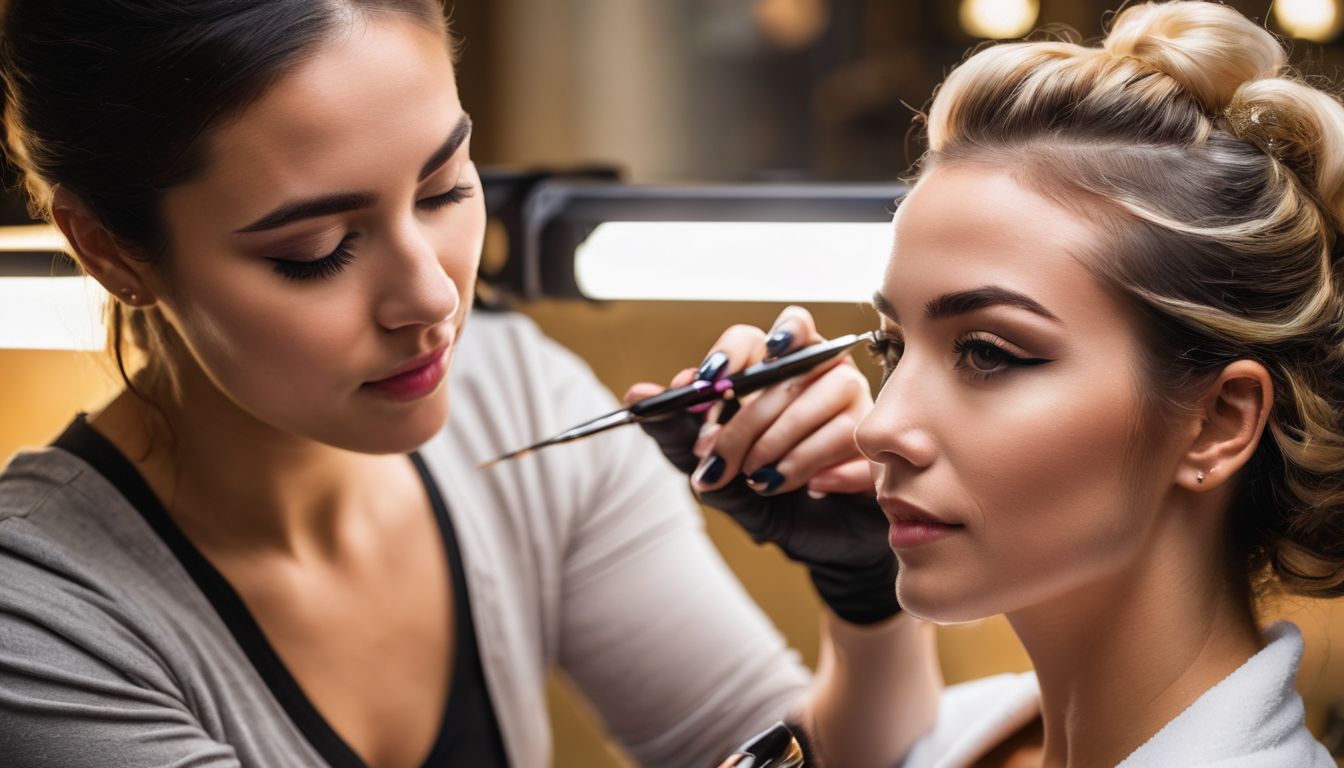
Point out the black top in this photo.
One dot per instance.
(469, 734)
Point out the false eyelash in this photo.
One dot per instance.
(455, 195)
(325, 267)
(965, 345)
(886, 348)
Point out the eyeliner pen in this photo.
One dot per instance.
(673, 401)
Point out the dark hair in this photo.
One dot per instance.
(111, 99)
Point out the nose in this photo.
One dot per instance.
(897, 428)
(416, 289)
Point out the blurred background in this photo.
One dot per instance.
(694, 91)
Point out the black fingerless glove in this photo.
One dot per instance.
(841, 538)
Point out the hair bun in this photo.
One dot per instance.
(1211, 50)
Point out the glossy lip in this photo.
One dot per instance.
(415, 378)
(912, 526)
(416, 363)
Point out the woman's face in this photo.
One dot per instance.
(321, 268)
(1001, 437)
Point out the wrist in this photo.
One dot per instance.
(858, 594)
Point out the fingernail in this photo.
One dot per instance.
(777, 342)
(712, 368)
(818, 495)
(704, 442)
(768, 478)
(710, 471)
(728, 410)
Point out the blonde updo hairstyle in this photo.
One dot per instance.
(1217, 178)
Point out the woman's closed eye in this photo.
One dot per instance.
(332, 264)
(325, 267)
(455, 195)
(982, 356)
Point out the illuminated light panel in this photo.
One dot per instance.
(32, 238)
(998, 19)
(733, 261)
(1315, 20)
(51, 313)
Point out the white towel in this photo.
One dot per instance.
(1253, 718)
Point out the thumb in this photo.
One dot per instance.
(641, 391)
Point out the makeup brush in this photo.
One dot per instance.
(670, 402)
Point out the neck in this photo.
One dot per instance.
(232, 482)
(1123, 656)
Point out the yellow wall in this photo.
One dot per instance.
(41, 390)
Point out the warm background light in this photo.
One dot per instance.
(1315, 20)
(999, 19)
(32, 237)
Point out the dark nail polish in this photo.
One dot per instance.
(712, 368)
(711, 470)
(777, 343)
(728, 410)
(768, 478)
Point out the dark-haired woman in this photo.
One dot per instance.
(269, 550)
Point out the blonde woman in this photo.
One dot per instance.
(1115, 387)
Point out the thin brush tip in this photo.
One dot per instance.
(505, 457)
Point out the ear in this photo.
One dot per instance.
(1232, 417)
(98, 253)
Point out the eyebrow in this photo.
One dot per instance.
(341, 202)
(962, 302)
(449, 148)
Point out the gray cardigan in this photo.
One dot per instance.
(590, 556)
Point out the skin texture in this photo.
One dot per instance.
(1104, 567)
(285, 470)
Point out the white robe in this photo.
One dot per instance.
(1253, 718)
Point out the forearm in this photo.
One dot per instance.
(876, 692)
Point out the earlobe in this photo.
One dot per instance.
(97, 251)
(1233, 417)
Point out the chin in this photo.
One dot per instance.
(397, 430)
(936, 601)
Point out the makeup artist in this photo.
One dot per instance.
(274, 547)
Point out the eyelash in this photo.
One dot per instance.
(455, 195)
(888, 348)
(332, 264)
(973, 342)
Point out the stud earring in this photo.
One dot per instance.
(1199, 477)
(129, 295)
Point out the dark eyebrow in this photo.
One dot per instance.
(883, 305)
(460, 133)
(980, 298)
(307, 209)
(350, 201)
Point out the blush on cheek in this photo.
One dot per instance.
(1050, 485)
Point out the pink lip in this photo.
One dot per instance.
(912, 526)
(413, 379)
